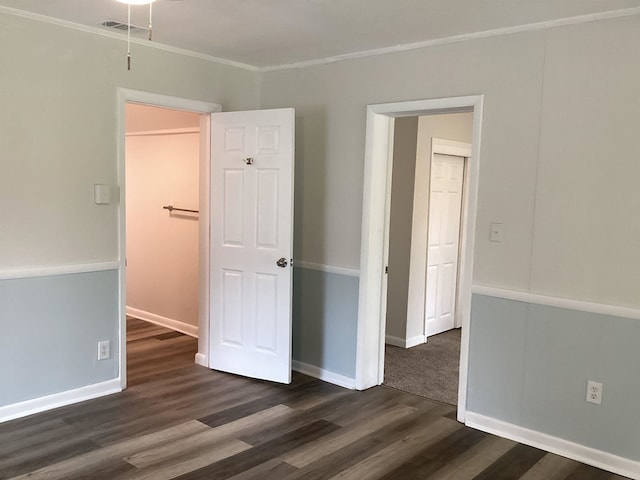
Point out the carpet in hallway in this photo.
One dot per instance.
(429, 370)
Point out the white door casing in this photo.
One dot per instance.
(126, 95)
(371, 314)
(251, 230)
(445, 206)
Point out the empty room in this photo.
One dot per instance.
(296, 112)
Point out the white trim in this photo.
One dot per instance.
(417, 340)
(372, 261)
(126, 95)
(370, 333)
(558, 302)
(450, 147)
(170, 323)
(204, 241)
(350, 272)
(123, 38)
(169, 131)
(201, 360)
(164, 101)
(52, 270)
(459, 38)
(581, 453)
(324, 375)
(49, 402)
(405, 343)
(593, 17)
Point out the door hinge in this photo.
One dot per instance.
(386, 269)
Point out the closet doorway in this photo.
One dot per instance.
(162, 163)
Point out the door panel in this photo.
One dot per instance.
(233, 206)
(251, 229)
(445, 207)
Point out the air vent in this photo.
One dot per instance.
(116, 25)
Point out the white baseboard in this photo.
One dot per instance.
(324, 375)
(41, 404)
(417, 340)
(590, 456)
(201, 359)
(404, 343)
(176, 325)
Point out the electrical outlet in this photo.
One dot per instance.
(594, 392)
(104, 350)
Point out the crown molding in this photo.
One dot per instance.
(593, 17)
(460, 38)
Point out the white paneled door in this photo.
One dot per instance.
(252, 243)
(445, 206)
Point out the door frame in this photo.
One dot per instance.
(419, 248)
(205, 109)
(375, 234)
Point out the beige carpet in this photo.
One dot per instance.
(429, 370)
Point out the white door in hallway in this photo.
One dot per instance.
(252, 243)
(445, 207)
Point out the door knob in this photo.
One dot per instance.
(248, 161)
(282, 262)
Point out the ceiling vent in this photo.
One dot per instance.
(121, 26)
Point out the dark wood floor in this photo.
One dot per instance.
(181, 421)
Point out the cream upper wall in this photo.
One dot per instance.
(564, 96)
(331, 102)
(58, 132)
(557, 164)
(587, 232)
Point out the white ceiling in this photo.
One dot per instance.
(267, 33)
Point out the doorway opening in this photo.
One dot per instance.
(162, 185)
(430, 156)
(153, 128)
(375, 234)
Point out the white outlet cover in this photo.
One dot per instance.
(104, 350)
(594, 392)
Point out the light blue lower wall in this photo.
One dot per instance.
(529, 365)
(325, 317)
(50, 331)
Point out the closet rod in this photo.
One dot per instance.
(171, 208)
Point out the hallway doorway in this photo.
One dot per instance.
(424, 236)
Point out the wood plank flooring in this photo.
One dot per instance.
(181, 421)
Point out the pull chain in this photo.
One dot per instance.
(150, 25)
(129, 37)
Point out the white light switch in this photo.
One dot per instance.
(101, 194)
(496, 232)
